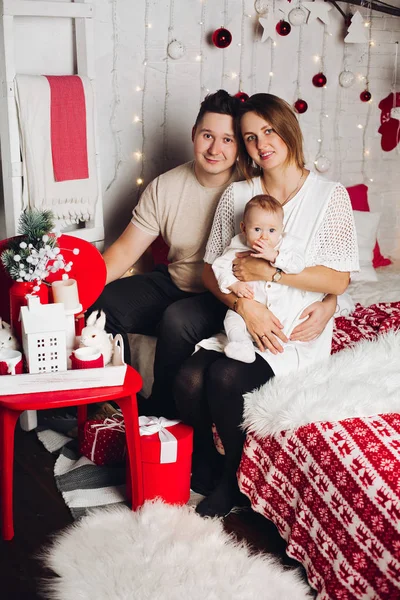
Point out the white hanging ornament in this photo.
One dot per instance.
(261, 6)
(268, 24)
(297, 16)
(357, 33)
(318, 10)
(346, 78)
(322, 164)
(175, 49)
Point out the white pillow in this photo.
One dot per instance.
(366, 228)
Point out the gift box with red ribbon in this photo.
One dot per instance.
(166, 448)
(103, 441)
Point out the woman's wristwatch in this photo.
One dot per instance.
(277, 275)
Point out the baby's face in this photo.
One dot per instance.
(264, 225)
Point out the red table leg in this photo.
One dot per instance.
(130, 413)
(8, 419)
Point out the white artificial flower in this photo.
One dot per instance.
(45, 238)
(76, 251)
(17, 258)
(23, 245)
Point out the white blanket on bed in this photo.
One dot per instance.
(361, 381)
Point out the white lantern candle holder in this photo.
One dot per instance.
(65, 291)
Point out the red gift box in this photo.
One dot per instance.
(104, 441)
(170, 480)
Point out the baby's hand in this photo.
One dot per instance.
(264, 250)
(242, 289)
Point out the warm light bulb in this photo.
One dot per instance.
(367, 24)
(359, 126)
(233, 75)
(271, 74)
(138, 88)
(274, 43)
(149, 25)
(317, 58)
(372, 43)
(198, 58)
(371, 180)
(136, 119)
(139, 181)
(138, 155)
(366, 153)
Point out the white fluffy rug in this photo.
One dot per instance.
(358, 382)
(162, 552)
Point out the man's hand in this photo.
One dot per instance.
(248, 268)
(242, 289)
(318, 314)
(264, 250)
(263, 326)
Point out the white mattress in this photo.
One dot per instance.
(386, 289)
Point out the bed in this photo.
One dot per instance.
(322, 455)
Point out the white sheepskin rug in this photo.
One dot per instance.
(361, 381)
(162, 552)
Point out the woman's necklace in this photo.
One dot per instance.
(291, 193)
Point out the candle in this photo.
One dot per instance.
(66, 291)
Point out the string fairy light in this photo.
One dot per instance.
(116, 96)
(254, 53)
(369, 108)
(200, 56)
(140, 179)
(338, 112)
(223, 74)
(299, 63)
(322, 163)
(272, 55)
(394, 92)
(166, 95)
(244, 15)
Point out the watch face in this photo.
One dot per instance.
(277, 276)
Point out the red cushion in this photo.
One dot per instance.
(359, 201)
(159, 251)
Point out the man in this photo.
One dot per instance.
(171, 302)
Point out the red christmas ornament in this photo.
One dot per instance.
(300, 106)
(242, 96)
(365, 96)
(221, 38)
(319, 80)
(283, 28)
(389, 128)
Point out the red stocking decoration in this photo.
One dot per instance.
(390, 127)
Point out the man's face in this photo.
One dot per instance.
(215, 146)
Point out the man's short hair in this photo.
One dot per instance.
(264, 201)
(220, 102)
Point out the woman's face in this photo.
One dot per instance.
(263, 144)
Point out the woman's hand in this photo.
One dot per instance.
(248, 268)
(318, 314)
(263, 326)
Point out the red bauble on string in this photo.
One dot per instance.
(319, 80)
(221, 37)
(365, 96)
(242, 96)
(300, 106)
(283, 28)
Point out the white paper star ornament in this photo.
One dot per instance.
(269, 28)
(318, 10)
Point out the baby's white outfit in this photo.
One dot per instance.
(286, 303)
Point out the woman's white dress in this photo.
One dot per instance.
(321, 217)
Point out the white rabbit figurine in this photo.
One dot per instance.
(95, 336)
(7, 339)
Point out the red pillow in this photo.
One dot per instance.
(359, 201)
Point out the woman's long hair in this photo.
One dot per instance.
(280, 115)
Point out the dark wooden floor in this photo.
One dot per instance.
(39, 511)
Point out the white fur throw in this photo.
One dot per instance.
(162, 552)
(361, 381)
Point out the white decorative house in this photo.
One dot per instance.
(44, 336)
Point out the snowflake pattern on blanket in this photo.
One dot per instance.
(365, 323)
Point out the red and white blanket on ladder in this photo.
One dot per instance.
(332, 487)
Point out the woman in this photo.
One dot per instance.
(210, 386)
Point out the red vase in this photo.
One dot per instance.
(18, 292)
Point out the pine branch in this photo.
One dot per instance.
(34, 224)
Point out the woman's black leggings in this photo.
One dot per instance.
(209, 389)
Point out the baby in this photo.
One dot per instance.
(262, 232)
